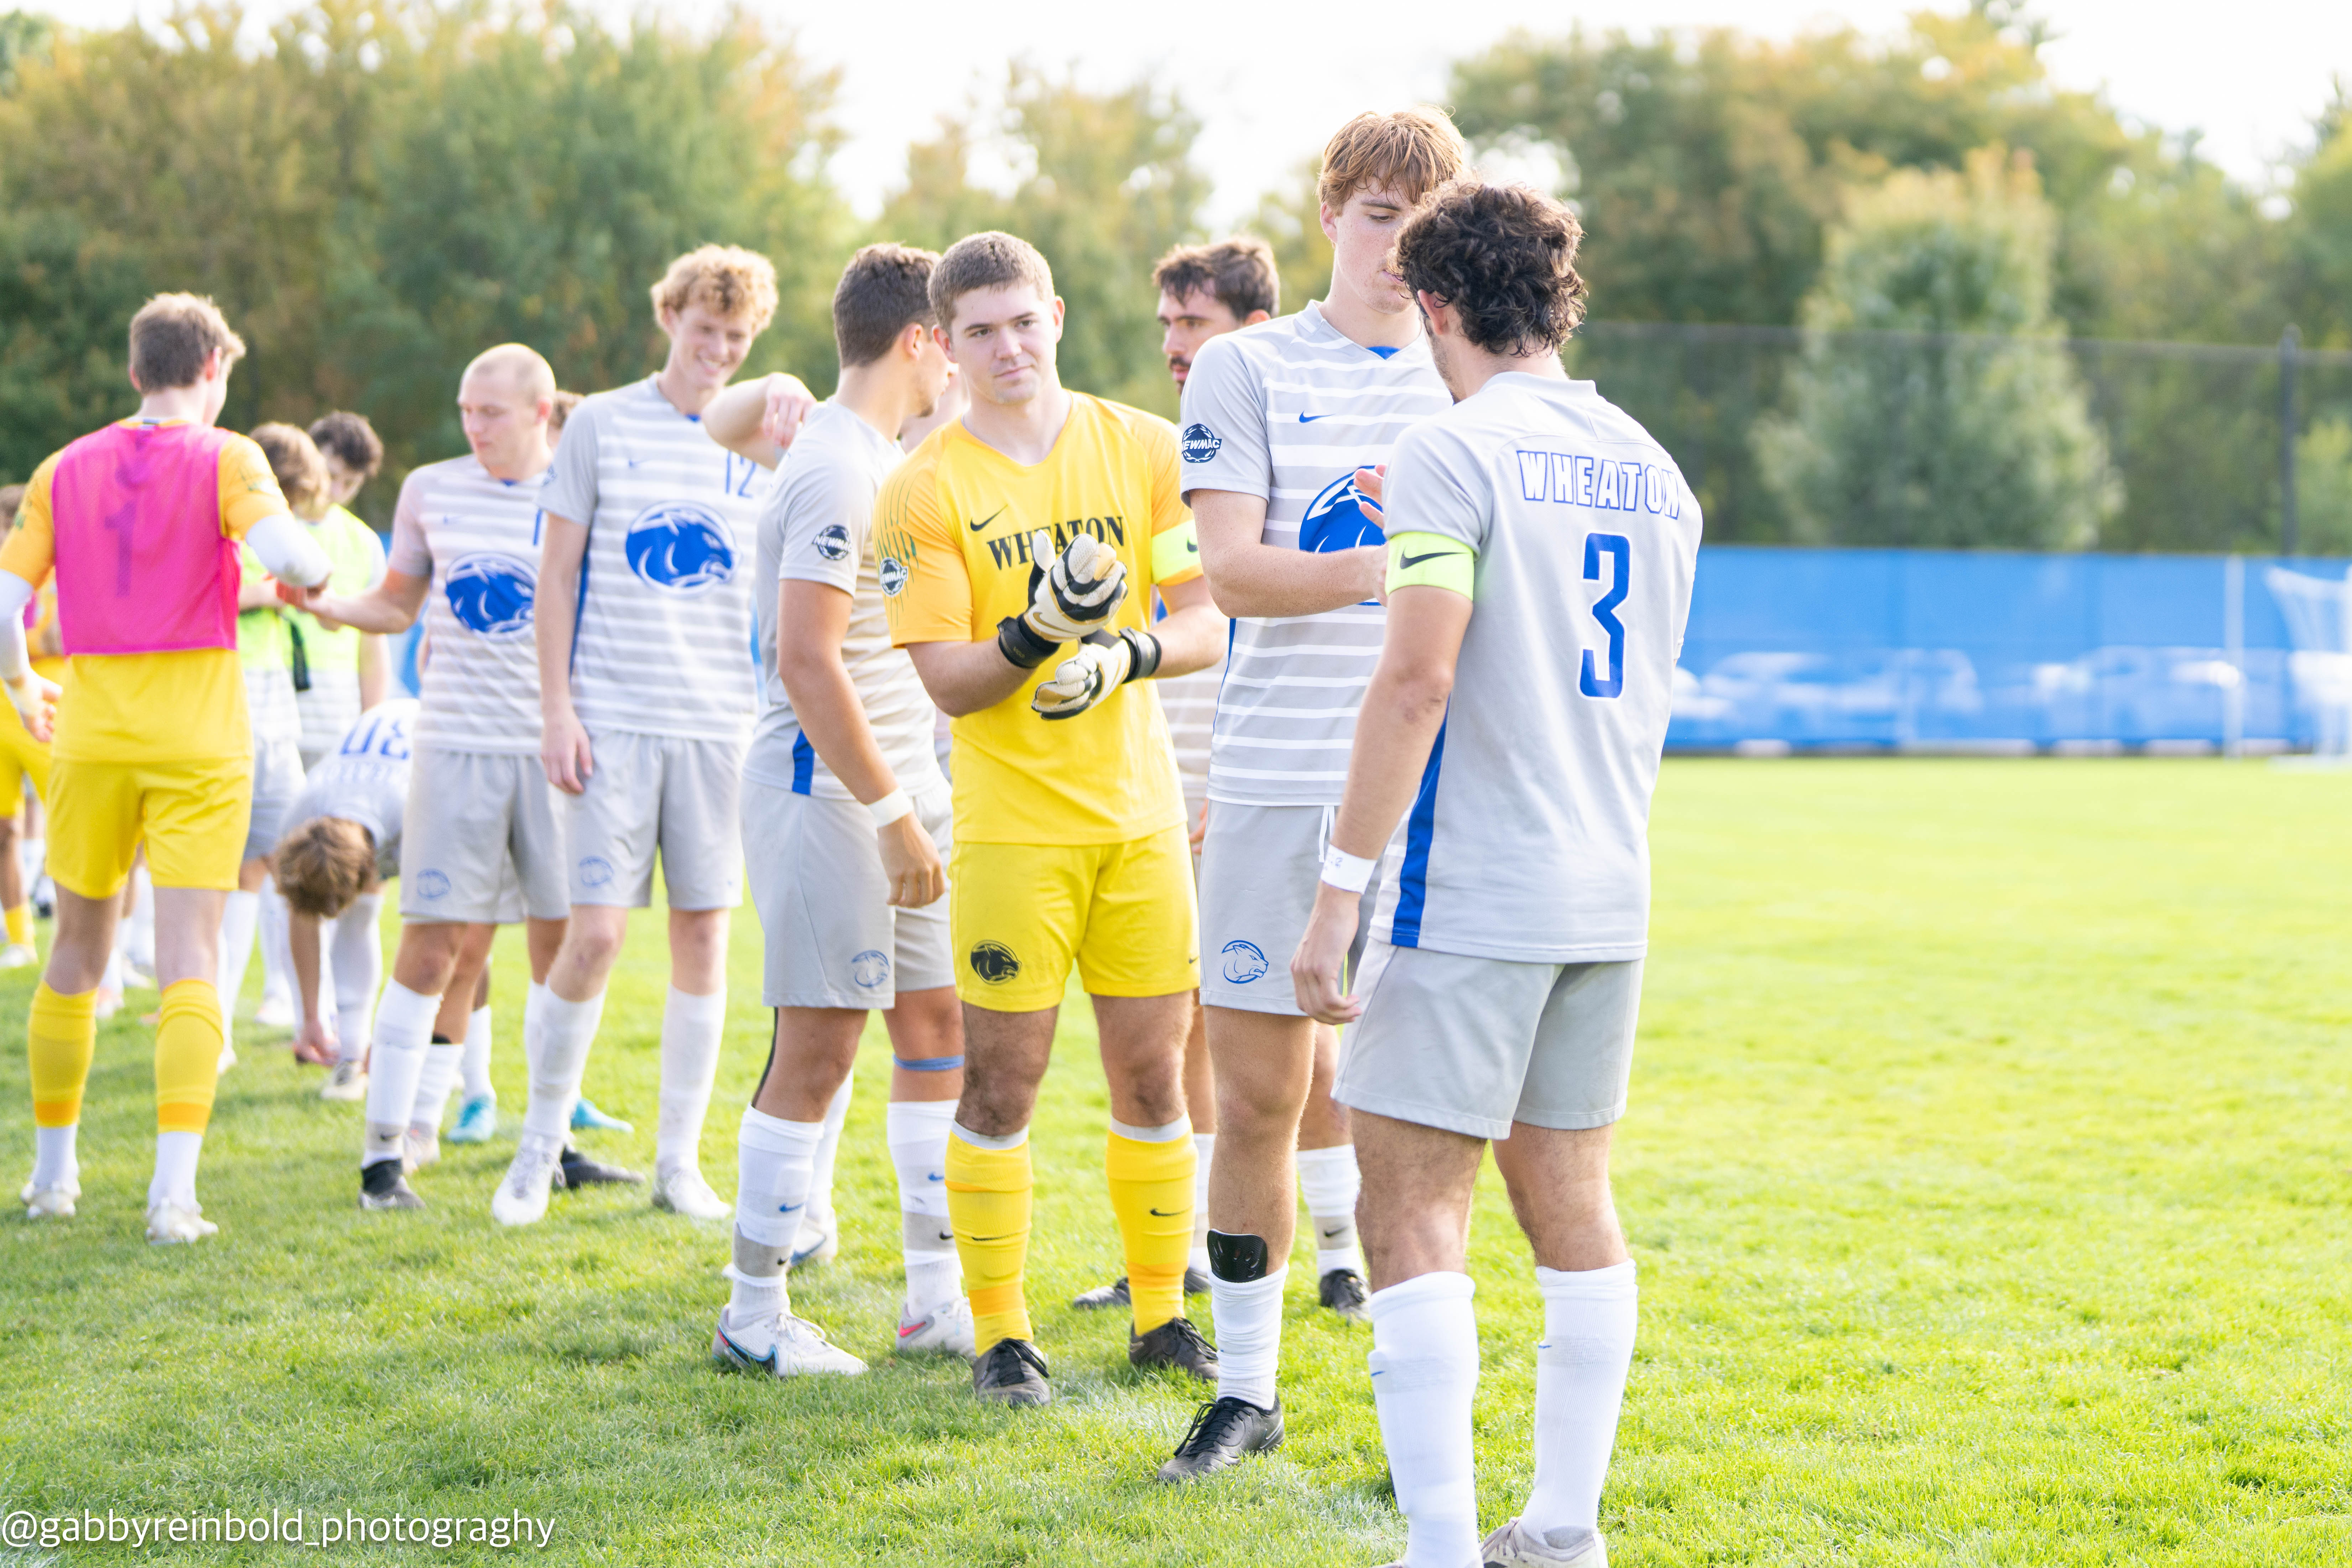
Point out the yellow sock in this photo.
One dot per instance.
(1151, 1193)
(20, 924)
(988, 1206)
(187, 1055)
(60, 1037)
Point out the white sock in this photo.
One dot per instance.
(237, 917)
(566, 1030)
(1204, 1146)
(433, 1086)
(691, 1028)
(1329, 1181)
(1580, 1366)
(1425, 1365)
(175, 1169)
(820, 1203)
(916, 1133)
(1249, 1335)
(474, 1061)
(355, 962)
(534, 1024)
(774, 1161)
(277, 944)
(54, 1164)
(403, 1036)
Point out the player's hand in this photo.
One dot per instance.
(35, 698)
(297, 596)
(1373, 559)
(1102, 664)
(1079, 592)
(910, 863)
(1369, 481)
(565, 752)
(1200, 829)
(789, 404)
(1319, 969)
(316, 1044)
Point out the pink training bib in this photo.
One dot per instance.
(141, 565)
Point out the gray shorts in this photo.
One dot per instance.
(651, 793)
(276, 782)
(481, 839)
(1259, 867)
(1471, 1045)
(832, 937)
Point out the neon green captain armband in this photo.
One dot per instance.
(1176, 553)
(1433, 560)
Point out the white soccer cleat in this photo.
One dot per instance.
(276, 1012)
(817, 1240)
(947, 1331)
(348, 1081)
(778, 1345)
(168, 1223)
(521, 1198)
(51, 1203)
(18, 955)
(1516, 1546)
(419, 1147)
(683, 1192)
(228, 1058)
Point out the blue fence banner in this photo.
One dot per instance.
(1999, 650)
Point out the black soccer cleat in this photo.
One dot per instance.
(1012, 1371)
(1342, 1290)
(1115, 1293)
(577, 1170)
(382, 1187)
(1176, 1344)
(1223, 1431)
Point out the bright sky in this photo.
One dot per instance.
(1272, 79)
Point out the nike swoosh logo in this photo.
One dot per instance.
(1168, 1214)
(1311, 418)
(984, 522)
(1433, 556)
(1329, 1233)
(1192, 547)
(938, 1176)
(981, 1238)
(787, 1208)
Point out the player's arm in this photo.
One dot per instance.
(1253, 578)
(26, 561)
(564, 747)
(375, 671)
(302, 940)
(389, 608)
(758, 419)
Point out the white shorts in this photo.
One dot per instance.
(481, 839)
(276, 782)
(650, 792)
(832, 937)
(1259, 868)
(1471, 1045)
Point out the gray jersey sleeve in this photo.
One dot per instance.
(828, 510)
(1436, 484)
(572, 485)
(1223, 440)
(409, 555)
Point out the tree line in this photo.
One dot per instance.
(384, 187)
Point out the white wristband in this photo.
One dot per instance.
(1349, 873)
(890, 807)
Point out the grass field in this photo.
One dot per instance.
(1986, 1169)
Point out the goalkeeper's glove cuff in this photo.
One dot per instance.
(1143, 651)
(1021, 645)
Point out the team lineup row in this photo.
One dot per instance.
(1432, 726)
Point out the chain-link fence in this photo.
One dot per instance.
(1954, 439)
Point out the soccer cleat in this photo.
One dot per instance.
(228, 1057)
(169, 1223)
(1176, 1344)
(1571, 1546)
(385, 1185)
(521, 1198)
(478, 1120)
(276, 1012)
(947, 1330)
(683, 1192)
(1342, 1290)
(51, 1203)
(586, 1118)
(18, 955)
(419, 1147)
(778, 1345)
(580, 1170)
(1223, 1431)
(817, 1241)
(1012, 1373)
(1115, 1293)
(348, 1081)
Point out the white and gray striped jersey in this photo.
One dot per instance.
(1289, 409)
(477, 537)
(663, 646)
(364, 779)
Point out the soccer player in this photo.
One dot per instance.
(479, 815)
(1020, 549)
(140, 524)
(1277, 420)
(23, 761)
(845, 822)
(350, 671)
(646, 695)
(1539, 582)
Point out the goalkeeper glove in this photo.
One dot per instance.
(1077, 594)
(1102, 664)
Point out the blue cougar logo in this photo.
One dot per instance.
(1341, 517)
(680, 548)
(1245, 961)
(491, 594)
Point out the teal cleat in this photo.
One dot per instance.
(478, 1120)
(586, 1118)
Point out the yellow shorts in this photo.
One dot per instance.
(1018, 914)
(21, 757)
(192, 814)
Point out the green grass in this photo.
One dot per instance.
(1986, 1167)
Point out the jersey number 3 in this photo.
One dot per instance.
(1605, 610)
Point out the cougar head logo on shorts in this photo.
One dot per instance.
(1340, 516)
(994, 962)
(1245, 961)
(870, 968)
(491, 593)
(432, 885)
(596, 871)
(680, 548)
